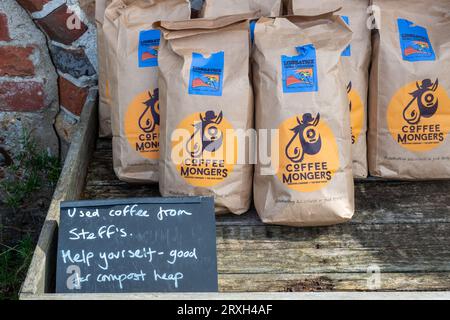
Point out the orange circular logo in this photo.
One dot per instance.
(418, 116)
(356, 112)
(308, 152)
(141, 124)
(204, 148)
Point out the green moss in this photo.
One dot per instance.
(14, 262)
(32, 169)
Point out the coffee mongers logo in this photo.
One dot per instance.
(149, 119)
(424, 102)
(203, 154)
(356, 112)
(309, 154)
(208, 132)
(306, 139)
(419, 116)
(141, 124)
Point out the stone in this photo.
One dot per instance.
(62, 25)
(71, 61)
(16, 62)
(39, 125)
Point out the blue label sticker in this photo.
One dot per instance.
(414, 41)
(206, 76)
(300, 72)
(148, 48)
(348, 51)
(252, 30)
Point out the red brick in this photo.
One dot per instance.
(16, 61)
(26, 96)
(33, 5)
(4, 31)
(55, 26)
(72, 97)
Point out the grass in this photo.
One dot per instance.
(14, 262)
(33, 169)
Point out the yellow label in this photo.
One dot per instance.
(418, 116)
(203, 155)
(309, 155)
(356, 112)
(141, 124)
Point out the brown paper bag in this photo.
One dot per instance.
(206, 98)
(217, 8)
(132, 49)
(356, 60)
(409, 91)
(300, 91)
(104, 107)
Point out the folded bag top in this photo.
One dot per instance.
(217, 8)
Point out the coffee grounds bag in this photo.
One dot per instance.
(217, 8)
(300, 93)
(409, 108)
(104, 107)
(132, 47)
(206, 98)
(355, 60)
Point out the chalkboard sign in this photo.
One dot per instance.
(137, 245)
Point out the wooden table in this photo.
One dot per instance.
(400, 229)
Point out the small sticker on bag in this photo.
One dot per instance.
(348, 51)
(148, 48)
(414, 41)
(252, 31)
(300, 72)
(206, 76)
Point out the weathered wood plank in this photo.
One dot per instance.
(404, 236)
(119, 191)
(384, 237)
(69, 187)
(326, 282)
(338, 296)
(341, 260)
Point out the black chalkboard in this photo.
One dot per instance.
(137, 245)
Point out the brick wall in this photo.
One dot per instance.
(68, 26)
(28, 82)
